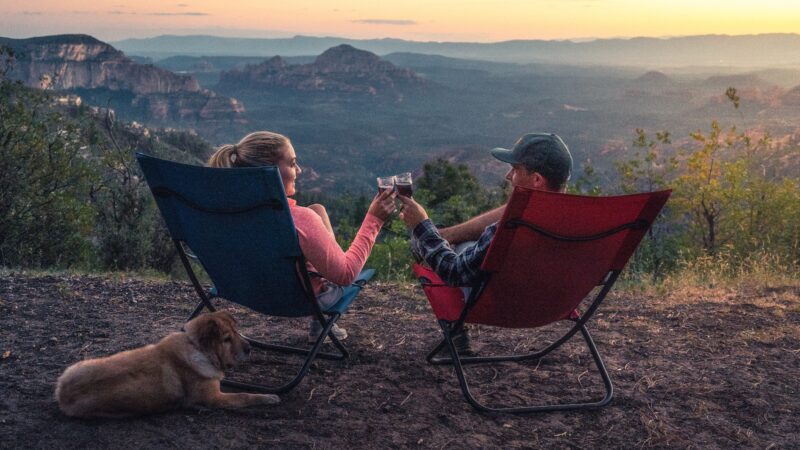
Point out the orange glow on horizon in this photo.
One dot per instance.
(449, 20)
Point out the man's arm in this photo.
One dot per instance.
(455, 269)
(473, 228)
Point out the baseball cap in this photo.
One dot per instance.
(545, 153)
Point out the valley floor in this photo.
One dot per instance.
(704, 369)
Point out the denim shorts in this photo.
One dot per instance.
(331, 293)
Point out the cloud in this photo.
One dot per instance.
(182, 5)
(32, 13)
(177, 14)
(386, 22)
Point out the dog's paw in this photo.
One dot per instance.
(270, 399)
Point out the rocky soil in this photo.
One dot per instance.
(704, 369)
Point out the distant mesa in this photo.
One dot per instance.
(652, 83)
(81, 62)
(341, 69)
(655, 77)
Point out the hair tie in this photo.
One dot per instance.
(234, 154)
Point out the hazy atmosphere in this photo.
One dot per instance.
(419, 20)
(155, 154)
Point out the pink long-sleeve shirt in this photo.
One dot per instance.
(323, 253)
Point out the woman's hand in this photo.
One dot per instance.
(412, 213)
(382, 205)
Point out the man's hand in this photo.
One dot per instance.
(412, 213)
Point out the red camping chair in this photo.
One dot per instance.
(550, 251)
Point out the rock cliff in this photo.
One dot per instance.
(81, 62)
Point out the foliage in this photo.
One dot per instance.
(71, 194)
(451, 193)
(125, 219)
(587, 183)
(391, 257)
(188, 142)
(44, 220)
(733, 200)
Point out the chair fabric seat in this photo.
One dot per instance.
(350, 293)
(447, 302)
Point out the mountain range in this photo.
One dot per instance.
(341, 69)
(352, 114)
(773, 50)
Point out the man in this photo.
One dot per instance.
(538, 161)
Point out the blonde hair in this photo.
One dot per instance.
(261, 148)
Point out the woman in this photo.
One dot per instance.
(336, 267)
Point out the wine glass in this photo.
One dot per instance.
(404, 184)
(385, 183)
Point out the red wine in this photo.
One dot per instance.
(405, 189)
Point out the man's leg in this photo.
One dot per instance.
(461, 340)
(458, 249)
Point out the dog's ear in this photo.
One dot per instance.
(205, 331)
(209, 334)
(228, 317)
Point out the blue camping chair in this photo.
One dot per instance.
(238, 226)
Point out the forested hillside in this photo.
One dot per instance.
(72, 196)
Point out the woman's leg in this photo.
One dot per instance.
(323, 214)
(330, 295)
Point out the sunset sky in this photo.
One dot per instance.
(423, 20)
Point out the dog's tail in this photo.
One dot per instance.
(69, 391)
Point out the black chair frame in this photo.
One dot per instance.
(327, 323)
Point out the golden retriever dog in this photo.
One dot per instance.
(182, 370)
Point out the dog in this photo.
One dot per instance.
(182, 370)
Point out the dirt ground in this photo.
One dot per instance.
(706, 369)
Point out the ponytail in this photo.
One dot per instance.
(262, 148)
(223, 157)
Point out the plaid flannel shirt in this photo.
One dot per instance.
(455, 269)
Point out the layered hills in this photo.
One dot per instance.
(353, 115)
(709, 50)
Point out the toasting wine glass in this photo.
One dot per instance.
(385, 183)
(404, 184)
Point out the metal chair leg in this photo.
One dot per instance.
(457, 363)
(310, 355)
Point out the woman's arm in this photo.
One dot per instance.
(323, 252)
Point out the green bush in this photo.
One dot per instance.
(45, 220)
